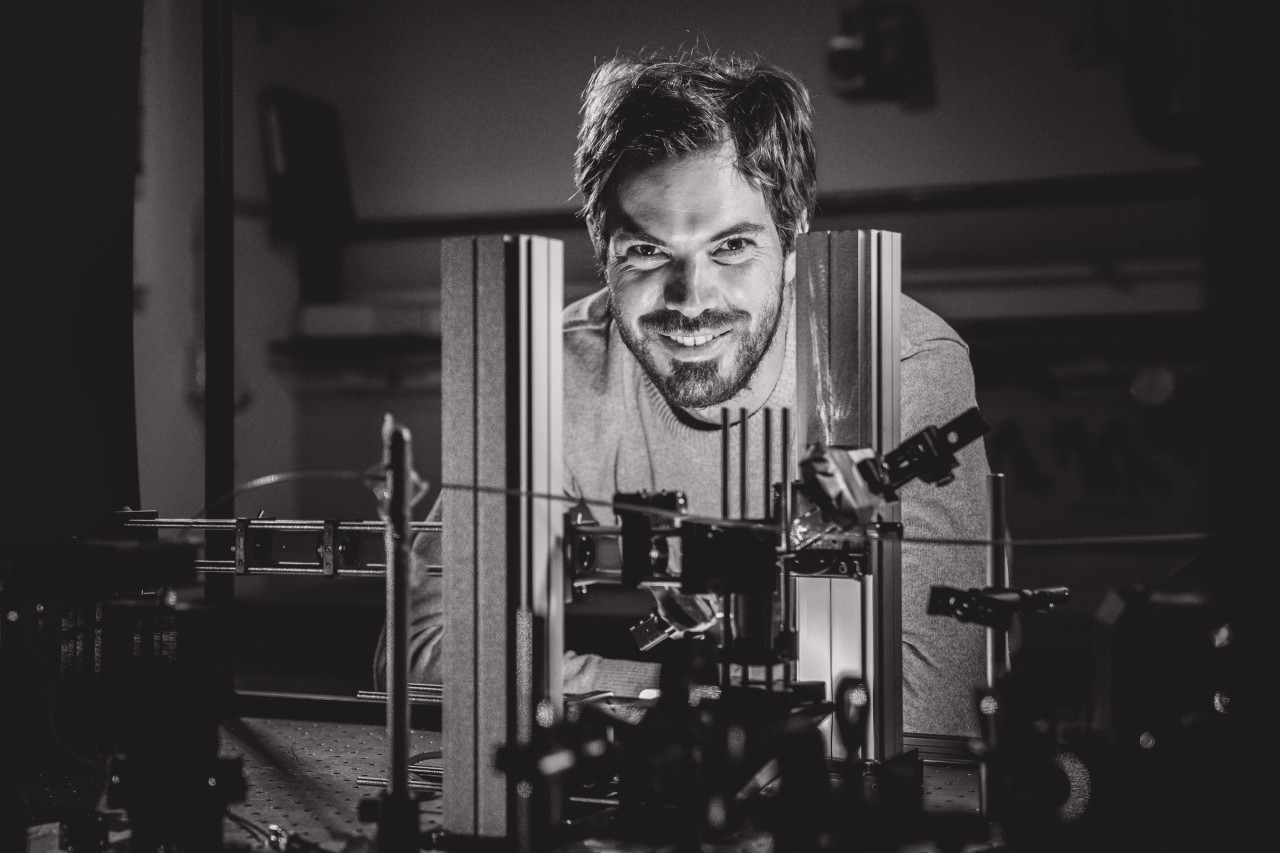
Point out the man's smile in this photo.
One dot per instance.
(695, 340)
(695, 347)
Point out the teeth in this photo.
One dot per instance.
(692, 342)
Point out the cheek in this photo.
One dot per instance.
(633, 296)
(752, 287)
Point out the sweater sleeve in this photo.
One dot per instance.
(426, 616)
(943, 660)
(582, 673)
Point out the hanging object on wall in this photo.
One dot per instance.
(308, 187)
(882, 52)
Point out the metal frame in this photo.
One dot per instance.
(503, 593)
(848, 356)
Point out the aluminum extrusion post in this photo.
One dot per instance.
(503, 574)
(848, 356)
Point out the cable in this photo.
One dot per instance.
(1144, 540)
(259, 834)
(373, 478)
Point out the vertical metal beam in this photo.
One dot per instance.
(847, 393)
(219, 275)
(812, 599)
(460, 522)
(880, 285)
(497, 534)
(503, 588)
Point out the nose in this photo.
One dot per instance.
(692, 288)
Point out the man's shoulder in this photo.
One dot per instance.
(922, 329)
(587, 333)
(587, 317)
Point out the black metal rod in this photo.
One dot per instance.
(219, 280)
(788, 593)
(219, 261)
(767, 515)
(724, 463)
(742, 465)
(399, 464)
(784, 453)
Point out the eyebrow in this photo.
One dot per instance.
(631, 231)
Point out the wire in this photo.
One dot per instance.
(259, 834)
(373, 478)
(611, 505)
(1143, 540)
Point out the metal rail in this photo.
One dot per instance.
(267, 524)
(419, 694)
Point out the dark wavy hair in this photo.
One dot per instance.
(637, 111)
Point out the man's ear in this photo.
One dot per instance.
(789, 265)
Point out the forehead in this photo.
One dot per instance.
(689, 197)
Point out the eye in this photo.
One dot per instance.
(642, 255)
(734, 248)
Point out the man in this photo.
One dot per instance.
(697, 173)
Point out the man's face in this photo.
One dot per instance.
(696, 272)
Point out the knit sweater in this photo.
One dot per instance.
(620, 435)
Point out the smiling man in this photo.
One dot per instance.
(697, 173)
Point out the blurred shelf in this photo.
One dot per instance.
(354, 363)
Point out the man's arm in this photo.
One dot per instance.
(583, 673)
(426, 616)
(942, 660)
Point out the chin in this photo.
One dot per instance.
(698, 384)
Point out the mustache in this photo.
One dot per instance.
(668, 322)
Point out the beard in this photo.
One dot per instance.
(709, 382)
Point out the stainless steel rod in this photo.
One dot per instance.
(229, 567)
(414, 698)
(412, 784)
